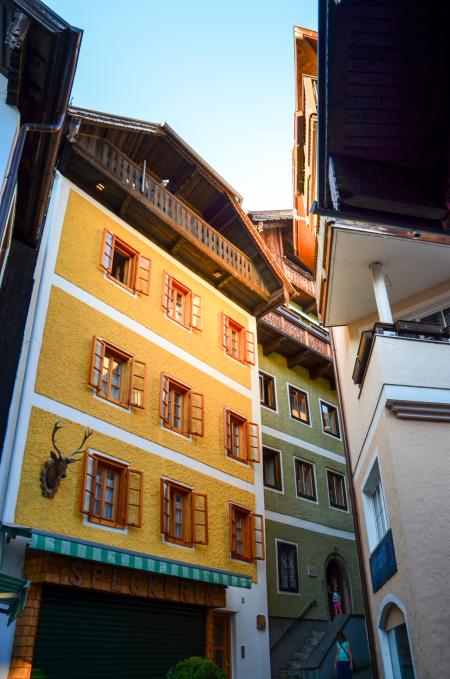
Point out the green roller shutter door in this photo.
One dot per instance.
(85, 634)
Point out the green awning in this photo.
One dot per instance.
(119, 557)
(13, 596)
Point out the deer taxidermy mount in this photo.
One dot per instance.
(55, 468)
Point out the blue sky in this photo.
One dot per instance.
(220, 73)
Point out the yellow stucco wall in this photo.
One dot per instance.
(63, 374)
(78, 262)
(61, 514)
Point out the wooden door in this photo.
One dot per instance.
(222, 642)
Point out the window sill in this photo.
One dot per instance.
(238, 459)
(122, 286)
(108, 527)
(116, 404)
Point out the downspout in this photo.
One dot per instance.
(359, 548)
(43, 128)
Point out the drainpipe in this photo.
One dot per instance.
(357, 526)
(43, 128)
(381, 293)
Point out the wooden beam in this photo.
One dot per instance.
(125, 205)
(223, 281)
(216, 209)
(182, 178)
(294, 359)
(319, 370)
(272, 345)
(176, 246)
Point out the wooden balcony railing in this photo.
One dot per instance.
(160, 201)
(297, 278)
(299, 332)
(408, 329)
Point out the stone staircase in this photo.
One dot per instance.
(294, 669)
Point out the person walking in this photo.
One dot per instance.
(343, 663)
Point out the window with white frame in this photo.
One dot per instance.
(379, 511)
(287, 561)
(330, 419)
(377, 522)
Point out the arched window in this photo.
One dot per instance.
(397, 650)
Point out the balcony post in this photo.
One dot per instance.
(381, 293)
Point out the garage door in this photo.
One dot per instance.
(82, 635)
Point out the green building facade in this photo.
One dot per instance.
(311, 462)
(310, 540)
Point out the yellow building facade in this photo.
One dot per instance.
(133, 452)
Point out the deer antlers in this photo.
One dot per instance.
(55, 468)
(57, 426)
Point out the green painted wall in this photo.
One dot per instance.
(314, 548)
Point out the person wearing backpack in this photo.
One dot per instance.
(344, 660)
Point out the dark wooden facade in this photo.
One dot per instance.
(384, 111)
(38, 56)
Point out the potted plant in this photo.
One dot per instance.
(195, 668)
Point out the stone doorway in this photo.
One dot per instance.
(336, 574)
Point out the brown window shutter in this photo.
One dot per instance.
(165, 507)
(227, 431)
(137, 383)
(134, 482)
(196, 414)
(196, 312)
(199, 519)
(249, 348)
(258, 537)
(106, 253)
(253, 447)
(143, 275)
(88, 484)
(164, 398)
(167, 292)
(225, 331)
(98, 355)
(232, 529)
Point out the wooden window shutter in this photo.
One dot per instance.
(196, 312)
(199, 519)
(167, 292)
(137, 383)
(249, 347)
(258, 536)
(88, 484)
(227, 431)
(196, 414)
(133, 497)
(164, 398)
(232, 529)
(253, 447)
(165, 507)
(106, 253)
(225, 332)
(143, 275)
(98, 355)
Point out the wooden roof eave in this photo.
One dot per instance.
(265, 252)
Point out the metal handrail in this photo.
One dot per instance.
(286, 633)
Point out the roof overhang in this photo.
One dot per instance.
(40, 60)
(349, 292)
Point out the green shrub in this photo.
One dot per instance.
(195, 668)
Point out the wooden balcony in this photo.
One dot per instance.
(303, 285)
(145, 204)
(301, 344)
